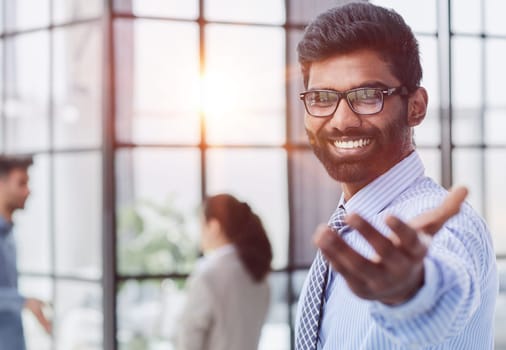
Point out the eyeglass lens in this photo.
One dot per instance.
(361, 101)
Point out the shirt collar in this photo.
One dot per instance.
(5, 226)
(374, 197)
(215, 254)
(223, 250)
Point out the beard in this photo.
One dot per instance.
(391, 144)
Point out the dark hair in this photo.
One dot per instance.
(9, 163)
(361, 25)
(245, 230)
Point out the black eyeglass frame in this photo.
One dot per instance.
(400, 90)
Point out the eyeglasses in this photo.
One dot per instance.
(363, 101)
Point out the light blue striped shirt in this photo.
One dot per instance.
(455, 307)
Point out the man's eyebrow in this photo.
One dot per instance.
(367, 84)
(371, 84)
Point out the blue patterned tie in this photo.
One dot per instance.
(307, 333)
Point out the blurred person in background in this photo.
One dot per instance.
(14, 192)
(228, 294)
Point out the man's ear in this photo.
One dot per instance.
(417, 106)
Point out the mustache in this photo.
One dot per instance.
(337, 134)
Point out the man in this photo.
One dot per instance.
(405, 272)
(13, 194)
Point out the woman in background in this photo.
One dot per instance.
(228, 294)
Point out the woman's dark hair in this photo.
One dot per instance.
(244, 229)
(361, 25)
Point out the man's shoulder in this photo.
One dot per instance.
(424, 192)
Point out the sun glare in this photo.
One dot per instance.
(219, 98)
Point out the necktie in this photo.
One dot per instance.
(307, 333)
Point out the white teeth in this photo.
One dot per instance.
(352, 143)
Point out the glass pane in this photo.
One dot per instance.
(495, 72)
(494, 17)
(27, 92)
(244, 90)
(500, 308)
(466, 16)
(295, 84)
(32, 224)
(148, 312)
(303, 11)
(431, 158)
(77, 86)
(78, 214)
(466, 87)
(26, 14)
(259, 11)
(468, 165)
(159, 8)
(158, 225)
(40, 288)
(495, 193)
(2, 4)
(258, 177)
(429, 132)
(276, 330)
(78, 315)
(495, 124)
(495, 113)
(421, 16)
(314, 198)
(2, 135)
(75, 10)
(157, 80)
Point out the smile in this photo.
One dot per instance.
(351, 144)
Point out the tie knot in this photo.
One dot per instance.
(337, 220)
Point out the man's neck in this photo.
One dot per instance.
(6, 213)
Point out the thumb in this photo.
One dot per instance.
(431, 221)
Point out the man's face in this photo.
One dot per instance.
(356, 149)
(14, 189)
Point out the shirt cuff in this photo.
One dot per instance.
(423, 300)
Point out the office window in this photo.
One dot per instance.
(76, 10)
(261, 11)
(158, 8)
(26, 92)
(157, 210)
(158, 95)
(77, 214)
(25, 14)
(244, 100)
(77, 103)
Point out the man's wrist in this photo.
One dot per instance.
(409, 292)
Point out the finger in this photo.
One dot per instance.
(388, 253)
(42, 319)
(431, 221)
(45, 323)
(410, 240)
(357, 285)
(340, 254)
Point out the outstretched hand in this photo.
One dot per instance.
(396, 272)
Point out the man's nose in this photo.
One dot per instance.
(344, 117)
